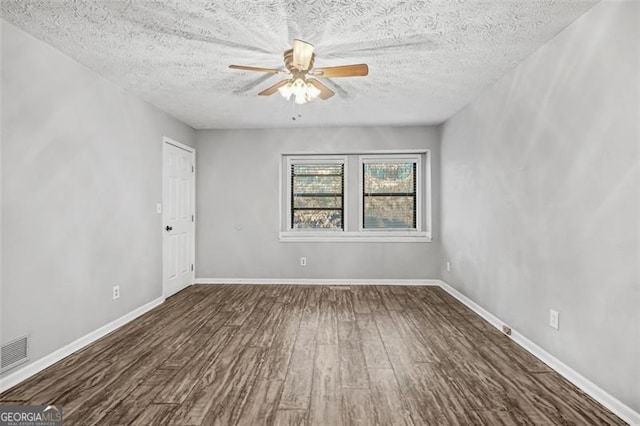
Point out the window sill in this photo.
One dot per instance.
(355, 237)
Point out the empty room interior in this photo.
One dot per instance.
(320, 213)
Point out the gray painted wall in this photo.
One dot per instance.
(81, 176)
(540, 189)
(238, 207)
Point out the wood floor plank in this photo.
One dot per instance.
(296, 392)
(278, 354)
(375, 354)
(388, 402)
(572, 405)
(370, 292)
(176, 390)
(375, 305)
(95, 405)
(329, 294)
(140, 400)
(357, 408)
(353, 368)
(290, 418)
(195, 339)
(311, 312)
(413, 347)
(257, 316)
(219, 395)
(360, 305)
(389, 299)
(325, 396)
(344, 306)
(262, 403)
(327, 323)
(267, 330)
(242, 309)
(452, 407)
(154, 414)
(321, 355)
(431, 294)
(421, 400)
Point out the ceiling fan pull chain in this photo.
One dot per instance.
(296, 115)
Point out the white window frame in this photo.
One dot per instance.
(423, 192)
(391, 158)
(315, 159)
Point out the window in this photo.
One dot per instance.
(316, 194)
(389, 192)
(317, 191)
(356, 197)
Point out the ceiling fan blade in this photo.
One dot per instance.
(302, 54)
(325, 92)
(273, 89)
(257, 69)
(342, 71)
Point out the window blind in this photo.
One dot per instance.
(389, 195)
(317, 196)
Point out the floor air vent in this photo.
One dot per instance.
(14, 353)
(339, 287)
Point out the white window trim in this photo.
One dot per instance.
(374, 236)
(355, 237)
(309, 159)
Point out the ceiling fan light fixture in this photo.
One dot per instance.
(286, 91)
(302, 91)
(312, 92)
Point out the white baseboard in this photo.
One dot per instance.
(35, 367)
(620, 409)
(312, 281)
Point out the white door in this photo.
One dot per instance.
(178, 217)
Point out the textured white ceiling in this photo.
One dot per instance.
(427, 59)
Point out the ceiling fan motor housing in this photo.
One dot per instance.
(288, 62)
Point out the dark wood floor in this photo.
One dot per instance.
(289, 355)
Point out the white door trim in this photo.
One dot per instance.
(168, 141)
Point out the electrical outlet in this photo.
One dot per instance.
(158, 208)
(448, 266)
(116, 292)
(554, 319)
(303, 261)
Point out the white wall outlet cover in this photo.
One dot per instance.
(448, 266)
(303, 261)
(554, 319)
(116, 292)
(158, 208)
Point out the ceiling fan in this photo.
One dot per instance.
(301, 82)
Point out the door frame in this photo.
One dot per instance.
(165, 142)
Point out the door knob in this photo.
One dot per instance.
(169, 228)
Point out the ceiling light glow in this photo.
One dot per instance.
(302, 91)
